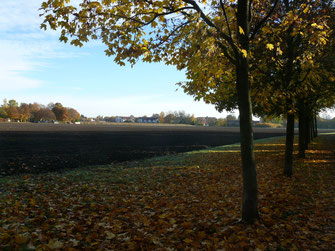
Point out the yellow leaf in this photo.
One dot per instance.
(314, 25)
(244, 52)
(55, 244)
(241, 30)
(266, 210)
(270, 47)
(110, 235)
(172, 221)
(289, 227)
(32, 202)
(188, 241)
(280, 52)
(163, 216)
(20, 239)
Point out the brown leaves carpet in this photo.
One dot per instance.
(189, 201)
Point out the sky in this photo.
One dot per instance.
(36, 67)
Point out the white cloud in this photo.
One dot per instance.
(23, 46)
(19, 14)
(14, 61)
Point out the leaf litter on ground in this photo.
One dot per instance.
(188, 201)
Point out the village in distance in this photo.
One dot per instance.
(11, 111)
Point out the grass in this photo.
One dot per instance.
(178, 202)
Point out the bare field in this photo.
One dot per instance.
(30, 147)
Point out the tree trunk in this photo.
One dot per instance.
(316, 126)
(312, 129)
(250, 190)
(307, 124)
(301, 132)
(288, 168)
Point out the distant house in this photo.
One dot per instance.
(124, 119)
(130, 119)
(233, 123)
(147, 120)
(119, 119)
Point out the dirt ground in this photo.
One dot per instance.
(35, 148)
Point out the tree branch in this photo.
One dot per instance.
(210, 23)
(226, 18)
(307, 73)
(262, 22)
(202, 14)
(170, 34)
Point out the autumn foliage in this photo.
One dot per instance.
(35, 112)
(187, 201)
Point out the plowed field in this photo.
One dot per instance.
(29, 147)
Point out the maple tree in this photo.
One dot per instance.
(286, 69)
(290, 70)
(176, 32)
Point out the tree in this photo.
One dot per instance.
(74, 115)
(12, 103)
(173, 32)
(12, 113)
(221, 122)
(192, 120)
(44, 114)
(231, 117)
(288, 73)
(161, 117)
(24, 111)
(169, 118)
(5, 104)
(294, 37)
(61, 113)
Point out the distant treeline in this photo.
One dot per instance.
(326, 123)
(177, 117)
(34, 112)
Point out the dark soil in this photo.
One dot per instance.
(36, 148)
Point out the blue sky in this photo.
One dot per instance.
(36, 67)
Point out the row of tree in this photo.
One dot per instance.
(264, 57)
(176, 117)
(35, 112)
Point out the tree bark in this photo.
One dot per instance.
(316, 126)
(307, 129)
(312, 129)
(301, 132)
(250, 190)
(288, 168)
